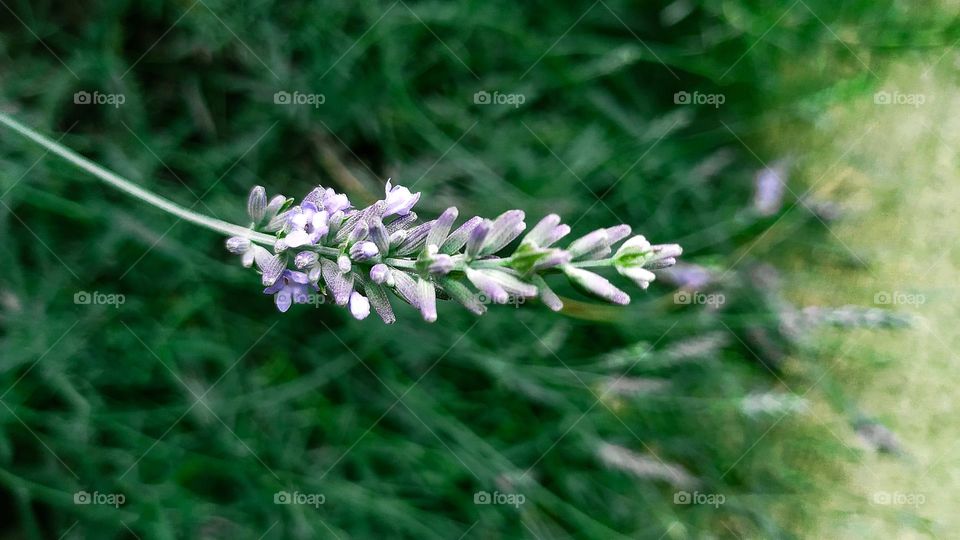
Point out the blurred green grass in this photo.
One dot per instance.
(400, 426)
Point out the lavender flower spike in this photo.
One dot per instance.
(359, 256)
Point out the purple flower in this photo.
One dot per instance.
(308, 226)
(399, 200)
(334, 202)
(290, 288)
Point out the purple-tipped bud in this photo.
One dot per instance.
(363, 251)
(640, 276)
(380, 273)
(487, 285)
(257, 204)
(542, 231)
(427, 299)
(315, 197)
(440, 264)
(305, 259)
(379, 235)
(360, 232)
(503, 231)
(458, 238)
(339, 283)
(401, 222)
(596, 285)
(440, 229)
(556, 234)
(664, 251)
(477, 237)
(406, 287)
(510, 282)
(414, 239)
(238, 245)
(617, 233)
(590, 243)
(315, 273)
(547, 296)
(343, 262)
(274, 206)
(359, 306)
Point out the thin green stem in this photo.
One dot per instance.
(116, 181)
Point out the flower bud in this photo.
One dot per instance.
(440, 230)
(477, 237)
(305, 259)
(639, 275)
(257, 204)
(359, 306)
(343, 262)
(274, 206)
(380, 273)
(596, 284)
(238, 245)
(594, 242)
(362, 251)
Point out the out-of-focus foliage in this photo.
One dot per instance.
(199, 404)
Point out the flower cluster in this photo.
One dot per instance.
(325, 250)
